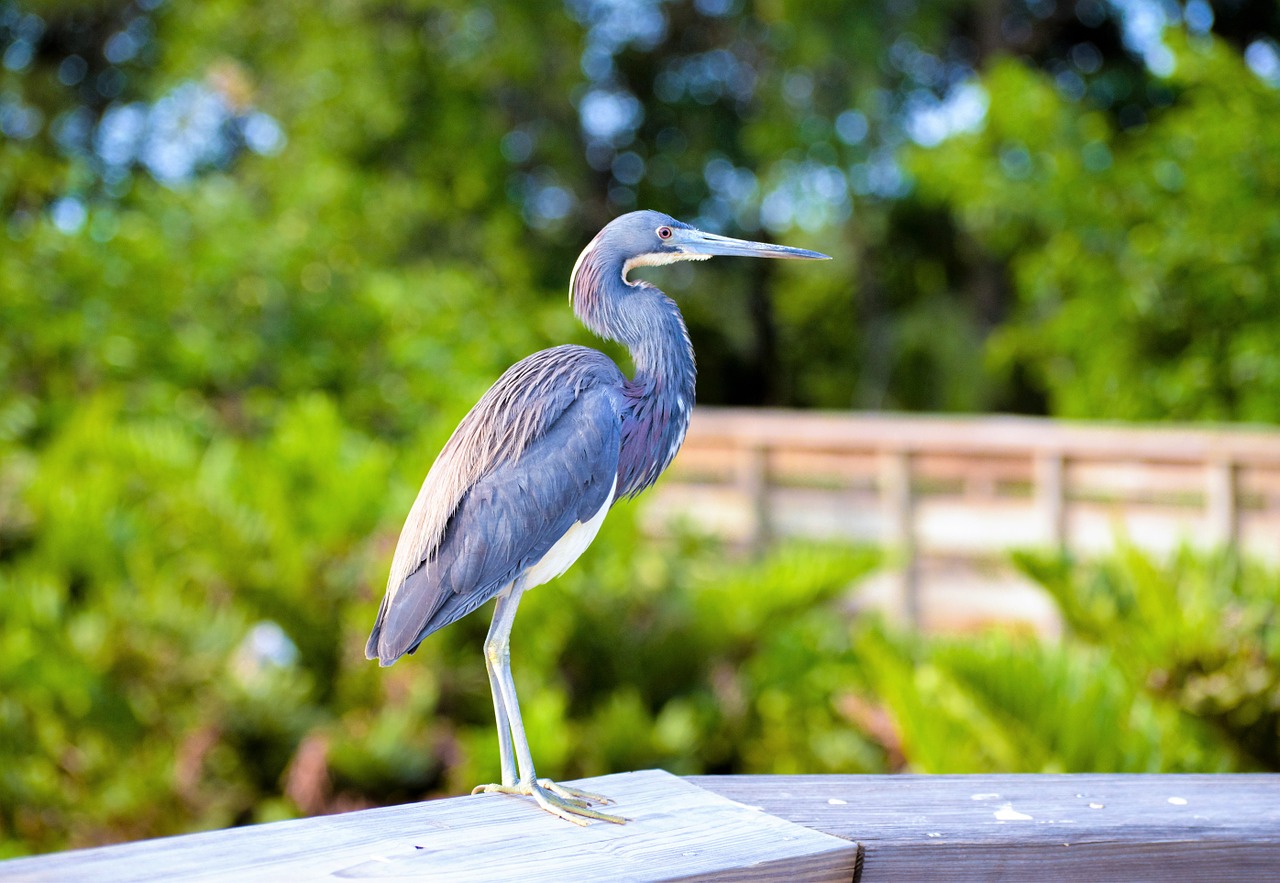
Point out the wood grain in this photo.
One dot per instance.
(677, 832)
(917, 828)
(1036, 827)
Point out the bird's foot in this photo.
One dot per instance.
(570, 804)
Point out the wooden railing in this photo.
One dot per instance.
(795, 828)
(973, 486)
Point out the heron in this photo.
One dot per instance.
(523, 485)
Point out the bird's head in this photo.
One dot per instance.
(605, 300)
(649, 238)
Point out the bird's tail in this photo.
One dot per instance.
(371, 647)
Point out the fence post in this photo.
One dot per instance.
(1051, 496)
(1221, 502)
(897, 501)
(753, 481)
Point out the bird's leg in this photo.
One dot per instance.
(570, 804)
(496, 647)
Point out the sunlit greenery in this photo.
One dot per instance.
(256, 260)
(1145, 260)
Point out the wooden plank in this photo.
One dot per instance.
(836, 468)
(986, 435)
(1260, 480)
(919, 828)
(677, 832)
(1036, 827)
(1127, 479)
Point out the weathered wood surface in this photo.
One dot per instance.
(677, 832)
(912, 828)
(1036, 827)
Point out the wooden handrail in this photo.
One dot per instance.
(1035, 827)
(986, 435)
(798, 828)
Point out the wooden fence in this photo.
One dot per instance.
(795, 828)
(973, 486)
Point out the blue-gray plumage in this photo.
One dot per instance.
(521, 488)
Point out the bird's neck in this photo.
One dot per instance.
(660, 396)
(635, 314)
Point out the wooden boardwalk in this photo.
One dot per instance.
(1036, 827)
(794, 828)
(676, 831)
(970, 489)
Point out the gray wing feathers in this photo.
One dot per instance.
(549, 458)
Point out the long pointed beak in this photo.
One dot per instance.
(697, 242)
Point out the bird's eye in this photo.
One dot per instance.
(664, 232)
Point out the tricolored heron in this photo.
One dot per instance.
(523, 485)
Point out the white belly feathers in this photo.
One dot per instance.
(569, 547)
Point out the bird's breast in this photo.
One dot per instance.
(653, 428)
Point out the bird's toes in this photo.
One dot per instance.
(570, 804)
(575, 795)
(559, 800)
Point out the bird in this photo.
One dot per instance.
(521, 488)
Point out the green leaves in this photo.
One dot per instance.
(1198, 633)
(1015, 704)
(132, 608)
(1144, 259)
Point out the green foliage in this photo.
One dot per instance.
(149, 556)
(1015, 704)
(1165, 667)
(1202, 635)
(1144, 259)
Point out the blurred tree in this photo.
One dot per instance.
(1145, 259)
(742, 117)
(351, 256)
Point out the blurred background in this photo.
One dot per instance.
(257, 260)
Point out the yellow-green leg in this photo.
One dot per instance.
(570, 804)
